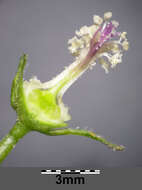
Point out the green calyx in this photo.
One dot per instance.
(17, 83)
(37, 108)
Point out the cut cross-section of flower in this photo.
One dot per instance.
(95, 43)
(40, 107)
(36, 104)
(43, 105)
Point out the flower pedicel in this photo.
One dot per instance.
(39, 106)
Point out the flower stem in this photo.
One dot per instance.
(11, 139)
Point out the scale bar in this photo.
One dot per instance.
(83, 172)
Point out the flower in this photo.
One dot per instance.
(91, 44)
(39, 105)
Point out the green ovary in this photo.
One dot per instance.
(42, 104)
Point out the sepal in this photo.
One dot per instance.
(17, 82)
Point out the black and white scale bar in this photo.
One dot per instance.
(50, 172)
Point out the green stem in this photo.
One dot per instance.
(85, 133)
(11, 139)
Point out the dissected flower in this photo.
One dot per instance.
(98, 43)
(39, 106)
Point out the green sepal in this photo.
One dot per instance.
(18, 82)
